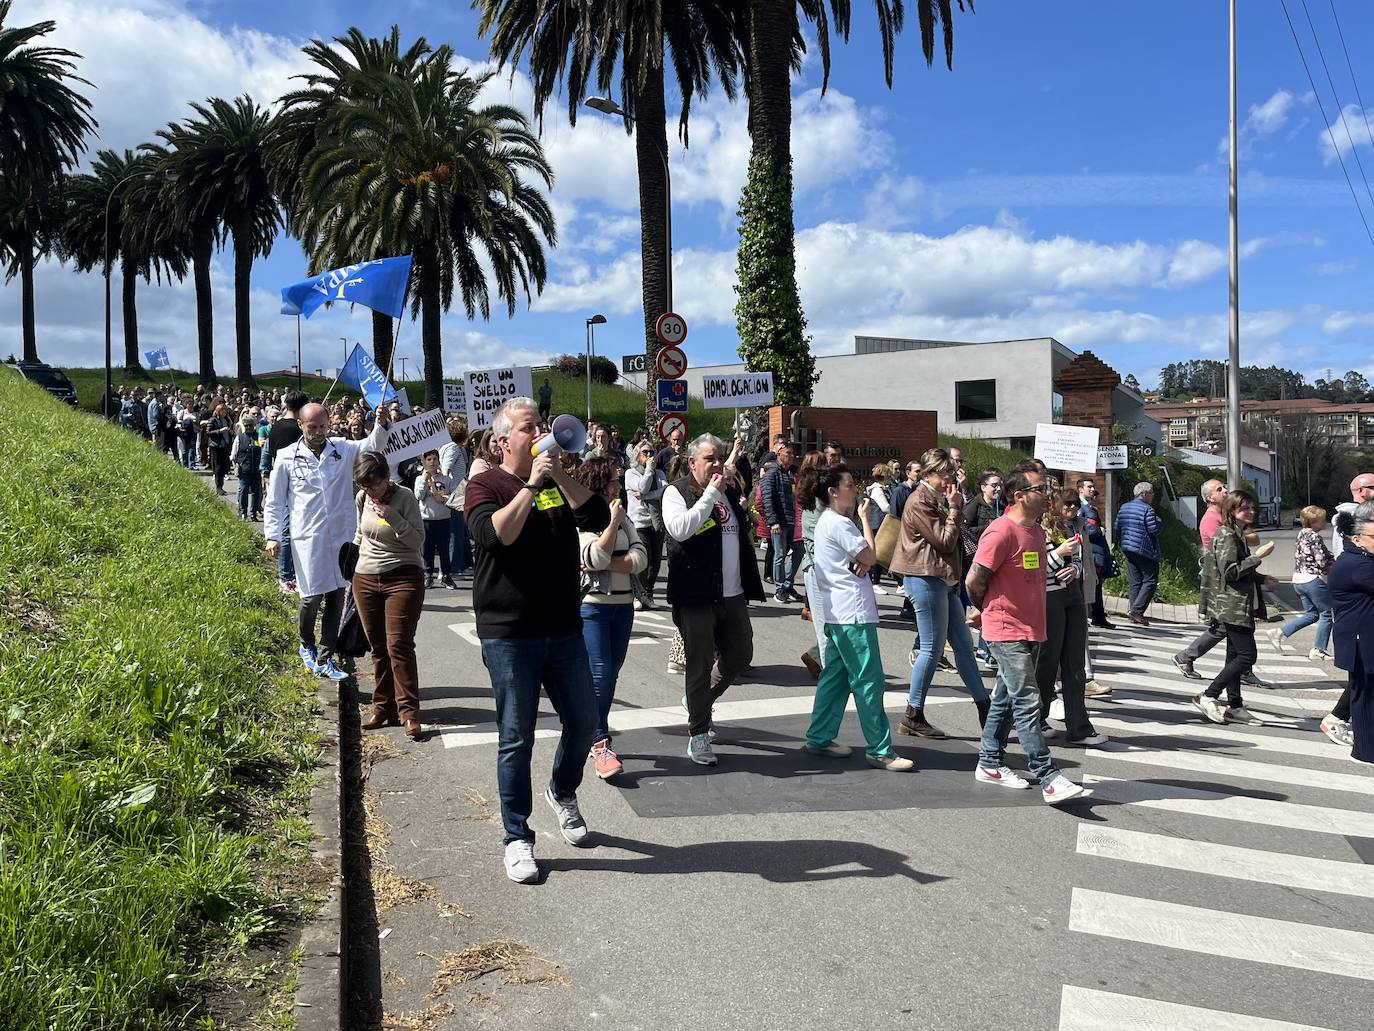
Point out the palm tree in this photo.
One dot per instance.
(43, 126)
(419, 169)
(573, 43)
(141, 231)
(219, 160)
(358, 70)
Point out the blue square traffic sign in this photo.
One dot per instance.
(672, 395)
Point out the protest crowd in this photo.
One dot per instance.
(1001, 568)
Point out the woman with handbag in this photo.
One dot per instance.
(389, 590)
(612, 556)
(929, 556)
(1231, 594)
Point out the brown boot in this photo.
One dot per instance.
(380, 718)
(914, 723)
(983, 708)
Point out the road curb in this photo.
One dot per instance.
(321, 976)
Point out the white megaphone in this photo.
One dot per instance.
(566, 434)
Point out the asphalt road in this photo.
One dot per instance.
(1217, 879)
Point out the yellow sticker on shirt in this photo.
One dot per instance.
(705, 526)
(1030, 560)
(546, 499)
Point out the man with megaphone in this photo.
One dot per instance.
(527, 597)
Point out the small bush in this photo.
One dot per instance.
(575, 366)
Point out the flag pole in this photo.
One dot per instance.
(300, 379)
(396, 337)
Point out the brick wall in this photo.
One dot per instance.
(869, 435)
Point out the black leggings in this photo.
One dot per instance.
(1341, 710)
(1240, 659)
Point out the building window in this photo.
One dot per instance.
(975, 399)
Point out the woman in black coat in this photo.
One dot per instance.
(1351, 583)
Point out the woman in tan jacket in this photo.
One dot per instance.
(929, 560)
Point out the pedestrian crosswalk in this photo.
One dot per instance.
(1283, 786)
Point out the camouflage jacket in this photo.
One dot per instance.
(1231, 580)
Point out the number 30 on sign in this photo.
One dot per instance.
(671, 328)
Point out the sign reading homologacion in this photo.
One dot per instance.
(739, 390)
(412, 437)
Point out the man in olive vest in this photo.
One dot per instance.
(712, 577)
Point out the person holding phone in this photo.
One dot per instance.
(1061, 654)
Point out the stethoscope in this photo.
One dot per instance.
(298, 459)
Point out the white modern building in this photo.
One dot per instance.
(996, 390)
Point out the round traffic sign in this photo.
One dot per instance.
(671, 362)
(671, 328)
(670, 424)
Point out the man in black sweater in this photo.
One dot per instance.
(780, 513)
(527, 597)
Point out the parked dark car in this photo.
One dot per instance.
(54, 381)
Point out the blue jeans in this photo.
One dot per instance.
(250, 492)
(286, 565)
(940, 617)
(606, 629)
(787, 555)
(1142, 577)
(1316, 604)
(1016, 699)
(188, 452)
(436, 543)
(458, 541)
(518, 667)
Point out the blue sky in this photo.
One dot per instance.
(1067, 178)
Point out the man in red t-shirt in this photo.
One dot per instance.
(1006, 586)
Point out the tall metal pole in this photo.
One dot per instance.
(1233, 462)
(588, 368)
(300, 380)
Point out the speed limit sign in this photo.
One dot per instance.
(671, 328)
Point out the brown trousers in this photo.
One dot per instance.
(389, 607)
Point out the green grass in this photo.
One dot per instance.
(152, 750)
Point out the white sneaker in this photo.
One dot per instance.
(570, 822)
(1003, 776)
(676, 667)
(879, 589)
(1317, 655)
(1057, 709)
(1338, 731)
(520, 864)
(1210, 708)
(1060, 790)
(639, 605)
(1276, 639)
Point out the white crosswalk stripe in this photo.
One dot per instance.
(1227, 763)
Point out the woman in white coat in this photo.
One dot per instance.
(312, 485)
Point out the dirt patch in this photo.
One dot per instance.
(518, 963)
(378, 749)
(425, 1020)
(392, 889)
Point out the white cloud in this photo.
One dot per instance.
(1354, 131)
(1270, 116)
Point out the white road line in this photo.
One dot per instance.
(1362, 784)
(1240, 808)
(1087, 1009)
(1126, 704)
(672, 716)
(1314, 745)
(1256, 697)
(1244, 864)
(1326, 950)
(1217, 656)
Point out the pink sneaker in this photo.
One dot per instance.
(607, 762)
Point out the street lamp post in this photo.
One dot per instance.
(109, 376)
(595, 320)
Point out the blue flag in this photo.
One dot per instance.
(158, 359)
(362, 374)
(379, 285)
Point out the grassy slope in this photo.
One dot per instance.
(153, 756)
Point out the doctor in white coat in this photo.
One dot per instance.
(312, 485)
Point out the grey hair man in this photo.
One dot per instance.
(1212, 492)
(712, 577)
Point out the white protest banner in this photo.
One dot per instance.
(456, 397)
(489, 389)
(403, 399)
(1067, 447)
(742, 390)
(412, 437)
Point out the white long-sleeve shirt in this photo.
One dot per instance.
(682, 522)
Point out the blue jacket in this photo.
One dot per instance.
(1137, 528)
(776, 490)
(1351, 583)
(1102, 552)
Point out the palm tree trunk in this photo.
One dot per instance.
(243, 326)
(202, 249)
(430, 310)
(128, 285)
(651, 157)
(381, 339)
(26, 293)
(772, 24)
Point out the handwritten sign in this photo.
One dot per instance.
(455, 397)
(489, 389)
(1067, 447)
(412, 437)
(742, 390)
